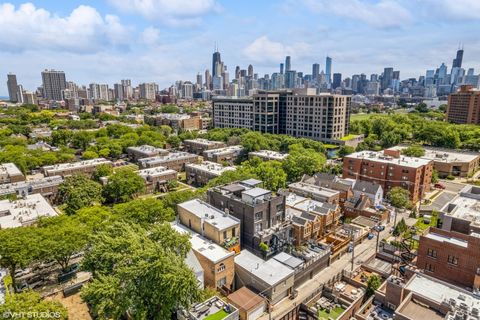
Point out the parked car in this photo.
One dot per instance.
(439, 186)
(370, 236)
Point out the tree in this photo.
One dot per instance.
(18, 248)
(31, 302)
(373, 283)
(302, 161)
(144, 211)
(174, 141)
(414, 150)
(272, 175)
(103, 170)
(435, 177)
(399, 197)
(89, 155)
(123, 185)
(62, 237)
(345, 151)
(138, 272)
(79, 191)
(254, 141)
(400, 228)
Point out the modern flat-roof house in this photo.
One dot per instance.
(24, 212)
(10, 173)
(145, 151)
(156, 178)
(228, 154)
(174, 160)
(198, 146)
(212, 223)
(272, 278)
(452, 252)
(315, 192)
(331, 181)
(201, 173)
(450, 162)
(47, 187)
(267, 155)
(390, 169)
(217, 262)
(69, 169)
(261, 212)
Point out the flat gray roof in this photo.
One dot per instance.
(256, 192)
(380, 157)
(270, 271)
(211, 215)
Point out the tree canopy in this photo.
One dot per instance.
(123, 185)
(79, 191)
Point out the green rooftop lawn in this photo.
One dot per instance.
(219, 315)
(331, 146)
(348, 137)
(334, 313)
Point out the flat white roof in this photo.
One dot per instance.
(269, 154)
(256, 192)
(440, 291)
(209, 250)
(156, 171)
(78, 164)
(171, 156)
(444, 155)
(226, 150)
(210, 214)
(380, 157)
(24, 211)
(210, 167)
(465, 206)
(313, 189)
(9, 188)
(201, 141)
(11, 169)
(146, 149)
(442, 238)
(270, 271)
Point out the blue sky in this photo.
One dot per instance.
(104, 41)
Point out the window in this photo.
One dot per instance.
(224, 234)
(258, 227)
(452, 260)
(429, 267)
(233, 232)
(432, 253)
(221, 282)
(221, 267)
(258, 215)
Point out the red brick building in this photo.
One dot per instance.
(464, 106)
(390, 169)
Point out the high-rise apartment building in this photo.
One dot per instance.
(288, 63)
(464, 106)
(337, 80)
(54, 83)
(12, 87)
(148, 91)
(328, 69)
(324, 117)
(315, 71)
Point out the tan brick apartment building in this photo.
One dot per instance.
(68, 169)
(198, 146)
(390, 169)
(464, 106)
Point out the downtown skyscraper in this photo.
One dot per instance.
(54, 83)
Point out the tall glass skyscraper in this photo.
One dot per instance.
(328, 69)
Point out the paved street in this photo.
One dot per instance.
(362, 251)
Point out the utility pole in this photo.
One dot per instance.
(378, 236)
(353, 253)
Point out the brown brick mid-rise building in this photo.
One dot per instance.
(390, 169)
(464, 106)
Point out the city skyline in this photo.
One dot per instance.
(180, 42)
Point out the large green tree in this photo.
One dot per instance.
(123, 185)
(18, 248)
(138, 272)
(399, 197)
(302, 161)
(79, 191)
(31, 302)
(144, 211)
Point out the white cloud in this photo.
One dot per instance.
(150, 36)
(459, 9)
(172, 12)
(263, 49)
(379, 14)
(84, 30)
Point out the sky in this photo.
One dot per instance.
(162, 41)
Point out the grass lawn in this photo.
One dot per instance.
(364, 116)
(421, 225)
(219, 315)
(348, 137)
(334, 313)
